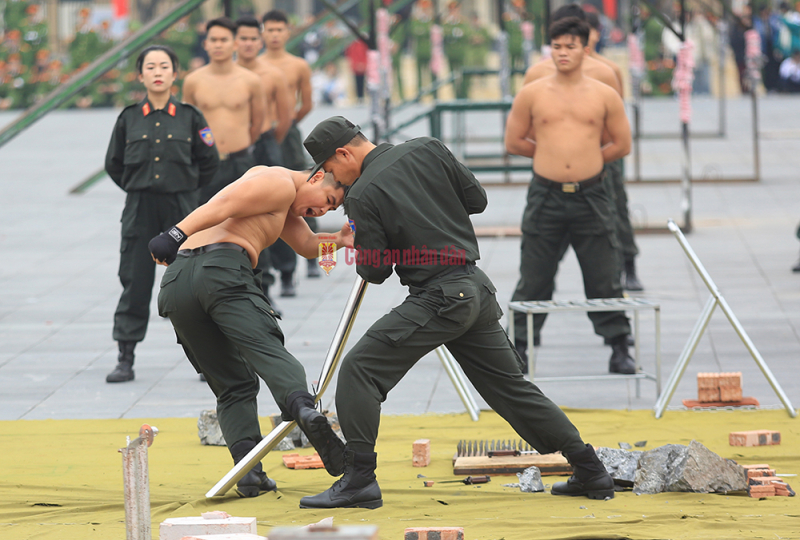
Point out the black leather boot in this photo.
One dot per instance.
(287, 285)
(357, 488)
(621, 361)
(589, 477)
(256, 480)
(609, 341)
(124, 370)
(313, 271)
(631, 282)
(318, 430)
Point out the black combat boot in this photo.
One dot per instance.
(318, 430)
(357, 488)
(124, 370)
(313, 271)
(621, 361)
(256, 480)
(631, 282)
(589, 477)
(287, 285)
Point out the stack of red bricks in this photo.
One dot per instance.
(762, 482)
(759, 437)
(296, 461)
(716, 387)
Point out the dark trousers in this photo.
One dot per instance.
(145, 215)
(230, 170)
(461, 312)
(230, 334)
(587, 220)
(267, 151)
(619, 198)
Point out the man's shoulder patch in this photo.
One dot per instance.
(207, 136)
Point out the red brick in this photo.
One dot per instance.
(762, 437)
(421, 456)
(730, 386)
(707, 387)
(444, 533)
(758, 473)
(766, 480)
(756, 466)
(762, 491)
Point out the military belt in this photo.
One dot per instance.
(211, 247)
(569, 187)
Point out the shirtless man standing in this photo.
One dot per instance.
(279, 110)
(560, 121)
(225, 324)
(232, 100)
(616, 174)
(591, 67)
(297, 74)
(277, 121)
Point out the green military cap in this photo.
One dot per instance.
(329, 135)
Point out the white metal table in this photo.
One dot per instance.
(598, 304)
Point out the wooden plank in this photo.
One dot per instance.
(549, 464)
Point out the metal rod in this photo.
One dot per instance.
(329, 367)
(715, 299)
(686, 180)
(686, 355)
(658, 352)
(459, 381)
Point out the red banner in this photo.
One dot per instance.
(120, 8)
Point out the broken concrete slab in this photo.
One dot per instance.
(208, 429)
(530, 480)
(692, 468)
(620, 464)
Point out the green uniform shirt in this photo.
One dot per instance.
(411, 208)
(165, 150)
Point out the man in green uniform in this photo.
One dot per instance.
(410, 205)
(456, 42)
(229, 331)
(161, 152)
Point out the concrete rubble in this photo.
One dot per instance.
(620, 464)
(530, 480)
(692, 468)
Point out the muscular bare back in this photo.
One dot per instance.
(262, 198)
(231, 100)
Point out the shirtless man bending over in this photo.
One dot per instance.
(232, 100)
(560, 120)
(226, 326)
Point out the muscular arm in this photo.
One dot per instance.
(257, 108)
(305, 93)
(519, 126)
(188, 91)
(263, 192)
(617, 128)
(305, 242)
(284, 105)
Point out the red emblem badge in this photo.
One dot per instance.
(146, 109)
(171, 109)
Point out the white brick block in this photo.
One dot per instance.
(177, 528)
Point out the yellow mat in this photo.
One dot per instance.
(63, 480)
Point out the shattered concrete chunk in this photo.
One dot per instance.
(624, 445)
(620, 464)
(208, 429)
(640, 444)
(530, 480)
(692, 468)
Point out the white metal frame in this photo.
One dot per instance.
(597, 304)
(714, 300)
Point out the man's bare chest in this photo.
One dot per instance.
(230, 95)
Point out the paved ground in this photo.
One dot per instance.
(58, 284)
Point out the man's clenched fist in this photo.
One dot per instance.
(164, 247)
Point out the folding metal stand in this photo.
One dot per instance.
(328, 369)
(714, 300)
(593, 305)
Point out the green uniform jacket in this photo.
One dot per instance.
(167, 150)
(391, 183)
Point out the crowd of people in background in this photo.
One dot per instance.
(30, 68)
